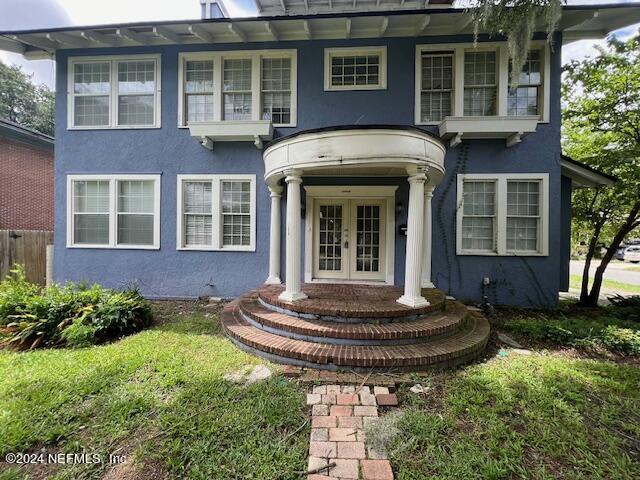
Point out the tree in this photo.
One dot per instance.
(601, 127)
(23, 102)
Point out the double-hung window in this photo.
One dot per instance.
(503, 214)
(525, 98)
(114, 92)
(113, 211)
(480, 83)
(355, 68)
(238, 86)
(436, 86)
(216, 212)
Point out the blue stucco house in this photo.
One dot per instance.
(317, 142)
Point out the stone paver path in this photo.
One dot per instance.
(339, 415)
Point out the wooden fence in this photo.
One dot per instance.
(27, 247)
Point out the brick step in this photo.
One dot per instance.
(427, 327)
(349, 303)
(458, 348)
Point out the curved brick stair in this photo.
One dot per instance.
(444, 335)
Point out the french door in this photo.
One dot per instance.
(349, 239)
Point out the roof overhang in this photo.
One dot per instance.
(584, 176)
(578, 22)
(23, 134)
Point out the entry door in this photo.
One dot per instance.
(349, 240)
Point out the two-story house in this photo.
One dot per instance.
(317, 146)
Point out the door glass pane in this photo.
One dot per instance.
(368, 238)
(330, 244)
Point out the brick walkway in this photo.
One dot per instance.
(339, 415)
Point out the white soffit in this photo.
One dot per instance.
(302, 7)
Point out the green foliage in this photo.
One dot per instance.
(36, 318)
(23, 102)
(625, 307)
(517, 21)
(611, 333)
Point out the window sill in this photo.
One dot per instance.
(509, 128)
(255, 131)
(355, 88)
(212, 249)
(116, 247)
(496, 254)
(121, 127)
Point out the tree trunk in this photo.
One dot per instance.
(629, 225)
(584, 289)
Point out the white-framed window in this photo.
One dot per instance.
(355, 68)
(245, 85)
(436, 86)
(503, 214)
(525, 98)
(113, 211)
(478, 83)
(216, 212)
(113, 92)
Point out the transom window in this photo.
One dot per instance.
(216, 212)
(355, 68)
(238, 86)
(436, 86)
(502, 214)
(525, 98)
(114, 92)
(120, 211)
(480, 83)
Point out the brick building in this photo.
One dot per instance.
(26, 178)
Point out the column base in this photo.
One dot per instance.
(413, 302)
(428, 285)
(291, 296)
(273, 281)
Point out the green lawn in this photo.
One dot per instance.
(533, 417)
(575, 282)
(157, 397)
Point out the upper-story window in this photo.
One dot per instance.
(114, 92)
(460, 79)
(360, 68)
(525, 98)
(480, 83)
(242, 85)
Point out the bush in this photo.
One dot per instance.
(608, 332)
(627, 308)
(71, 314)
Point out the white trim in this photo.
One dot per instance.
(500, 225)
(113, 94)
(113, 216)
(381, 51)
(256, 81)
(216, 212)
(386, 192)
(458, 50)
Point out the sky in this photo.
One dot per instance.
(19, 14)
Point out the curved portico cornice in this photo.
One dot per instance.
(376, 150)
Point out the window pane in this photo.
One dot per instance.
(522, 234)
(199, 90)
(199, 108)
(236, 218)
(276, 107)
(237, 75)
(477, 233)
(480, 83)
(480, 101)
(136, 77)
(135, 110)
(135, 196)
(355, 70)
(91, 229)
(91, 111)
(435, 106)
(523, 198)
(276, 90)
(91, 196)
(198, 230)
(478, 198)
(91, 78)
(237, 106)
(135, 229)
(436, 85)
(236, 230)
(197, 197)
(198, 220)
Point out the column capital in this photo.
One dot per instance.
(293, 176)
(275, 190)
(428, 190)
(417, 178)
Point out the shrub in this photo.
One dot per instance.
(627, 308)
(623, 340)
(72, 314)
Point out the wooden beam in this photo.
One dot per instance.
(101, 38)
(67, 39)
(235, 30)
(129, 34)
(307, 29)
(201, 33)
(347, 28)
(383, 26)
(164, 32)
(271, 30)
(38, 42)
(12, 46)
(422, 26)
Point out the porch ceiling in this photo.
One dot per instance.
(356, 150)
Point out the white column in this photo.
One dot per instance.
(274, 236)
(292, 291)
(413, 262)
(426, 240)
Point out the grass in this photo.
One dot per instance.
(158, 397)
(633, 268)
(526, 417)
(575, 282)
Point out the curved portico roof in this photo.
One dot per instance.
(383, 150)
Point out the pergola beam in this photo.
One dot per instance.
(271, 30)
(38, 42)
(67, 39)
(129, 34)
(383, 26)
(235, 30)
(101, 38)
(167, 34)
(201, 33)
(347, 28)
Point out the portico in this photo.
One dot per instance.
(350, 231)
